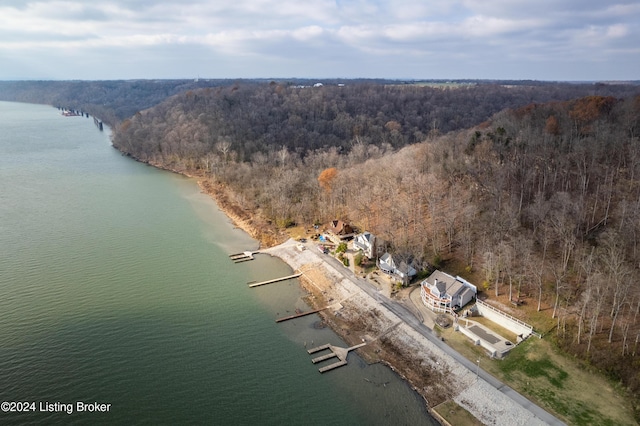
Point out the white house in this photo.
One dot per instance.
(442, 293)
(366, 242)
(403, 270)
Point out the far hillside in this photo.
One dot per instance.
(111, 101)
(259, 119)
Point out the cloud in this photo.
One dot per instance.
(522, 34)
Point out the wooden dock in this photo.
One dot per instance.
(336, 352)
(332, 366)
(298, 315)
(275, 280)
(319, 348)
(323, 357)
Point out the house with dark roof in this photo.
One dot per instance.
(338, 231)
(401, 270)
(442, 292)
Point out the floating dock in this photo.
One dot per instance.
(336, 352)
(242, 257)
(319, 348)
(332, 366)
(324, 357)
(275, 280)
(298, 315)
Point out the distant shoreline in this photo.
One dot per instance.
(266, 234)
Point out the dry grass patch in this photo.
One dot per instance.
(297, 232)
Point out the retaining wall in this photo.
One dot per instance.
(478, 341)
(505, 320)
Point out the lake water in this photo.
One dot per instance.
(116, 288)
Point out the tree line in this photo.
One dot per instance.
(111, 101)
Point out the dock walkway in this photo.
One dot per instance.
(336, 352)
(298, 315)
(275, 280)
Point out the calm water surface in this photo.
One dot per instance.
(116, 288)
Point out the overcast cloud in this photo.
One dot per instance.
(418, 39)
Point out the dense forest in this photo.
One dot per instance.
(115, 100)
(542, 199)
(111, 101)
(258, 119)
(531, 190)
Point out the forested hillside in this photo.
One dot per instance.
(259, 119)
(111, 101)
(542, 200)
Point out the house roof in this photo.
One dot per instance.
(365, 237)
(446, 284)
(405, 268)
(338, 227)
(364, 241)
(388, 260)
(465, 291)
(439, 276)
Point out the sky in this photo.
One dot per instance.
(556, 40)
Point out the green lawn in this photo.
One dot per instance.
(559, 384)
